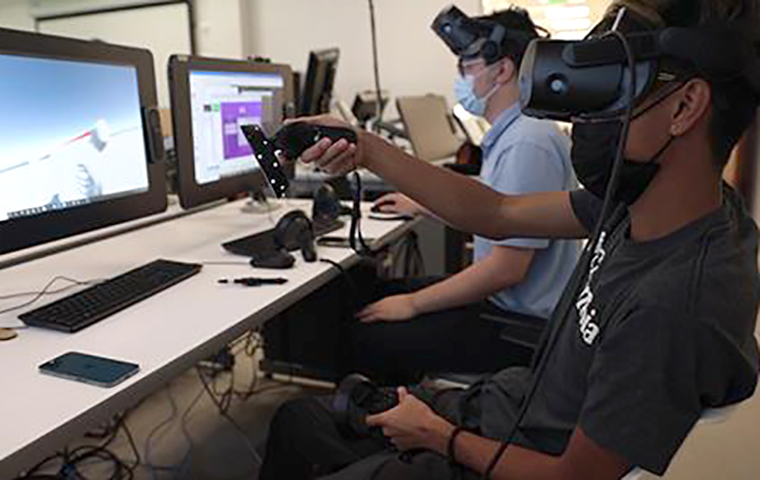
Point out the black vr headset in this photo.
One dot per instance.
(469, 38)
(590, 80)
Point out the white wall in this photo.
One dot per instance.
(412, 59)
(218, 24)
(219, 28)
(162, 29)
(15, 14)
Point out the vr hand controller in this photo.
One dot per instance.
(295, 138)
(290, 141)
(357, 398)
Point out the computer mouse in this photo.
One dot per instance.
(378, 207)
(274, 259)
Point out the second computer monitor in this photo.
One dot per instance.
(211, 100)
(320, 79)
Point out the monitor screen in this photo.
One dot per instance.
(221, 103)
(212, 99)
(72, 134)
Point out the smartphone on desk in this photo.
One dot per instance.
(100, 371)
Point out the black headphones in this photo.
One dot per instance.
(294, 231)
(327, 204)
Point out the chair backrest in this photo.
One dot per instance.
(712, 416)
(474, 127)
(429, 126)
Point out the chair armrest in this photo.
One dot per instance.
(523, 330)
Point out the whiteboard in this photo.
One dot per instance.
(161, 29)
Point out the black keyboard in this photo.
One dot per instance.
(264, 241)
(84, 308)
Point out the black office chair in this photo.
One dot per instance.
(523, 331)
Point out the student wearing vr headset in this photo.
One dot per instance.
(657, 322)
(442, 325)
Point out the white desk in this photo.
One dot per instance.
(307, 178)
(165, 334)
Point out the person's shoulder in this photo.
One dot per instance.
(713, 277)
(528, 132)
(536, 126)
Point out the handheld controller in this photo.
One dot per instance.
(356, 398)
(290, 141)
(295, 138)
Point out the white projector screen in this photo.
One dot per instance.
(164, 30)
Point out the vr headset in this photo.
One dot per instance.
(590, 80)
(470, 38)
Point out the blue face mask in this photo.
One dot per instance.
(464, 90)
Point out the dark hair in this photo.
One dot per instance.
(734, 104)
(514, 19)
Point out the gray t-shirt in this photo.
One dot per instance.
(658, 332)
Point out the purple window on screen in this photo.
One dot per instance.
(234, 116)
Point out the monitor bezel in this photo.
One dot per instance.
(310, 98)
(21, 233)
(192, 194)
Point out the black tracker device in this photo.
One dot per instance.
(290, 141)
(265, 154)
(589, 80)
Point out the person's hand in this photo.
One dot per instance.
(412, 425)
(398, 203)
(397, 308)
(337, 158)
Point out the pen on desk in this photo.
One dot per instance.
(254, 281)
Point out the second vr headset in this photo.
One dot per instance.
(470, 38)
(590, 79)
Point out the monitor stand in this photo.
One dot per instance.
(258, 203)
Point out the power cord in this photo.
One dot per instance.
(72, 461)
(375, 65)
(224, 413)
(355, 231)
(579, 275)
(47, 290)
(158, 428)
(413, 263)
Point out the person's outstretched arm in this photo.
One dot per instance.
(463, 203)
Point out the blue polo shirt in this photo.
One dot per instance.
(525, 155)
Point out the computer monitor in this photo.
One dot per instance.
(211, 100)
(320, 79)
(80, 133)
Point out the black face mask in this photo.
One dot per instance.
(595, 147)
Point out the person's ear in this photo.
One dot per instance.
(506, 72)
(691, 105)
